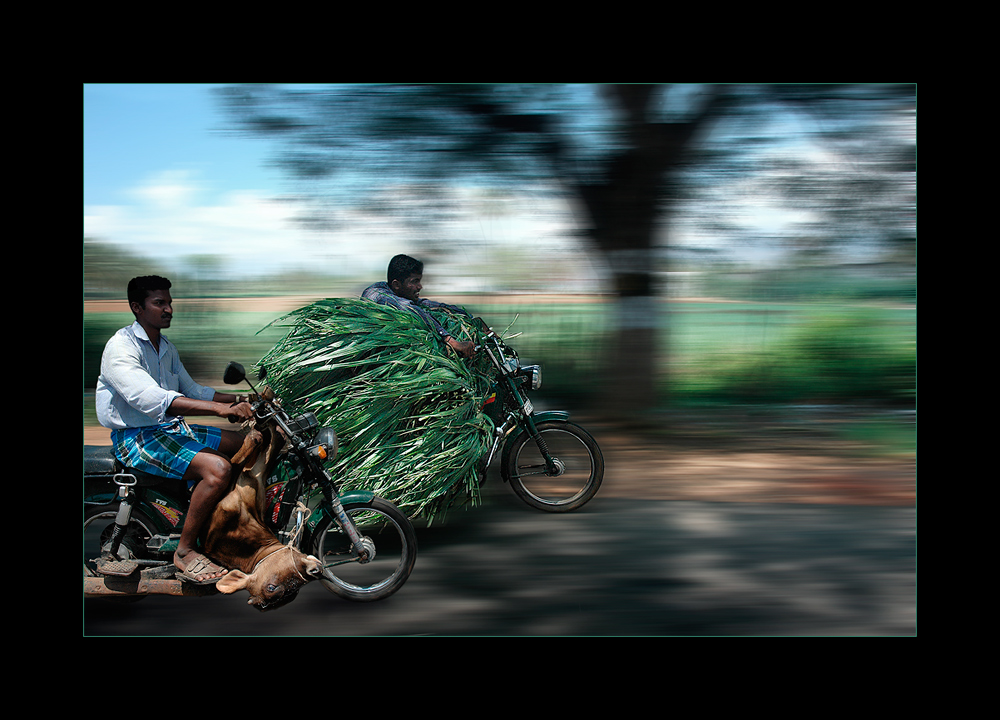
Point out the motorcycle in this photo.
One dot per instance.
(551, 464)
(132, 520)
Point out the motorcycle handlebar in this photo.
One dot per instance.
(267, 408)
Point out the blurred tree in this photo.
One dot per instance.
(621, 153)
(836, 162)
(203, 274)
(107, 268)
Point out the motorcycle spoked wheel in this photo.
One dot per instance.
(395, 543)
(581, 467)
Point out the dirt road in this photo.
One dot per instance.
(700, 532)
(752, 465)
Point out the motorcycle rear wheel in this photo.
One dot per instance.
(576, 482)
(395, 543)
(98, 524)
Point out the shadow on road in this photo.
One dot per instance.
(617, 567)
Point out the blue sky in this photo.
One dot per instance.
(162, 180)
(133, 134)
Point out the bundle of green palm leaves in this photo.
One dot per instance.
(406, 408)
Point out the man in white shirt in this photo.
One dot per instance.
(143, 394)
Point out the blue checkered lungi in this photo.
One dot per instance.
(166, 449)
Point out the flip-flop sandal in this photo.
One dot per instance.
(200, 565)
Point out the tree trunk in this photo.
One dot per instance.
(625, 208)
(633, 379)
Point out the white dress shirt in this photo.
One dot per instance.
(137, 383)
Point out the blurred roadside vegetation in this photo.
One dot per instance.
(760, 340)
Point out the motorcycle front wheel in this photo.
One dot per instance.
(392, 538)
(578, 473)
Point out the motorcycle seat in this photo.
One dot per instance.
(101, 460)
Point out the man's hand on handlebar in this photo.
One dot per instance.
(241, 409)
(465, 348)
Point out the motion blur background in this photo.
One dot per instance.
(719, 281)
(664, 246)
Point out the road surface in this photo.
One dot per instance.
(617, 567)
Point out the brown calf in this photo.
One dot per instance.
(237, 537)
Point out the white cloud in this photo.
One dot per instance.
(167, 190)
(174, 215)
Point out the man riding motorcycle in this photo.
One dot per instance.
(402, 291)
(143, 394)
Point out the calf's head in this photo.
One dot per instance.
(275, 580)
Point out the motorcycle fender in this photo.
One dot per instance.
(550, 415)
(354, 497)
(363, 497)
(538, 417)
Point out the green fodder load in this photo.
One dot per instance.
(406, 408)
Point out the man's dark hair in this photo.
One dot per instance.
(402, 266)
(139, 288)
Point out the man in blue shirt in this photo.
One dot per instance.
(143, 394)
(402, 291)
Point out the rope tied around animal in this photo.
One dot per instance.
(292, 540)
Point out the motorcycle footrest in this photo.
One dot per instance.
(107, 564)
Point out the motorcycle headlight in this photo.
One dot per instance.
(533, 374)
(325, 447)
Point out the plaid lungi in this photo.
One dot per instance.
(165, 449)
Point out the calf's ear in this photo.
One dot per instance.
(232, 581)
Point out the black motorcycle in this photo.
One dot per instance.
(552, 464)
(132, 521)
